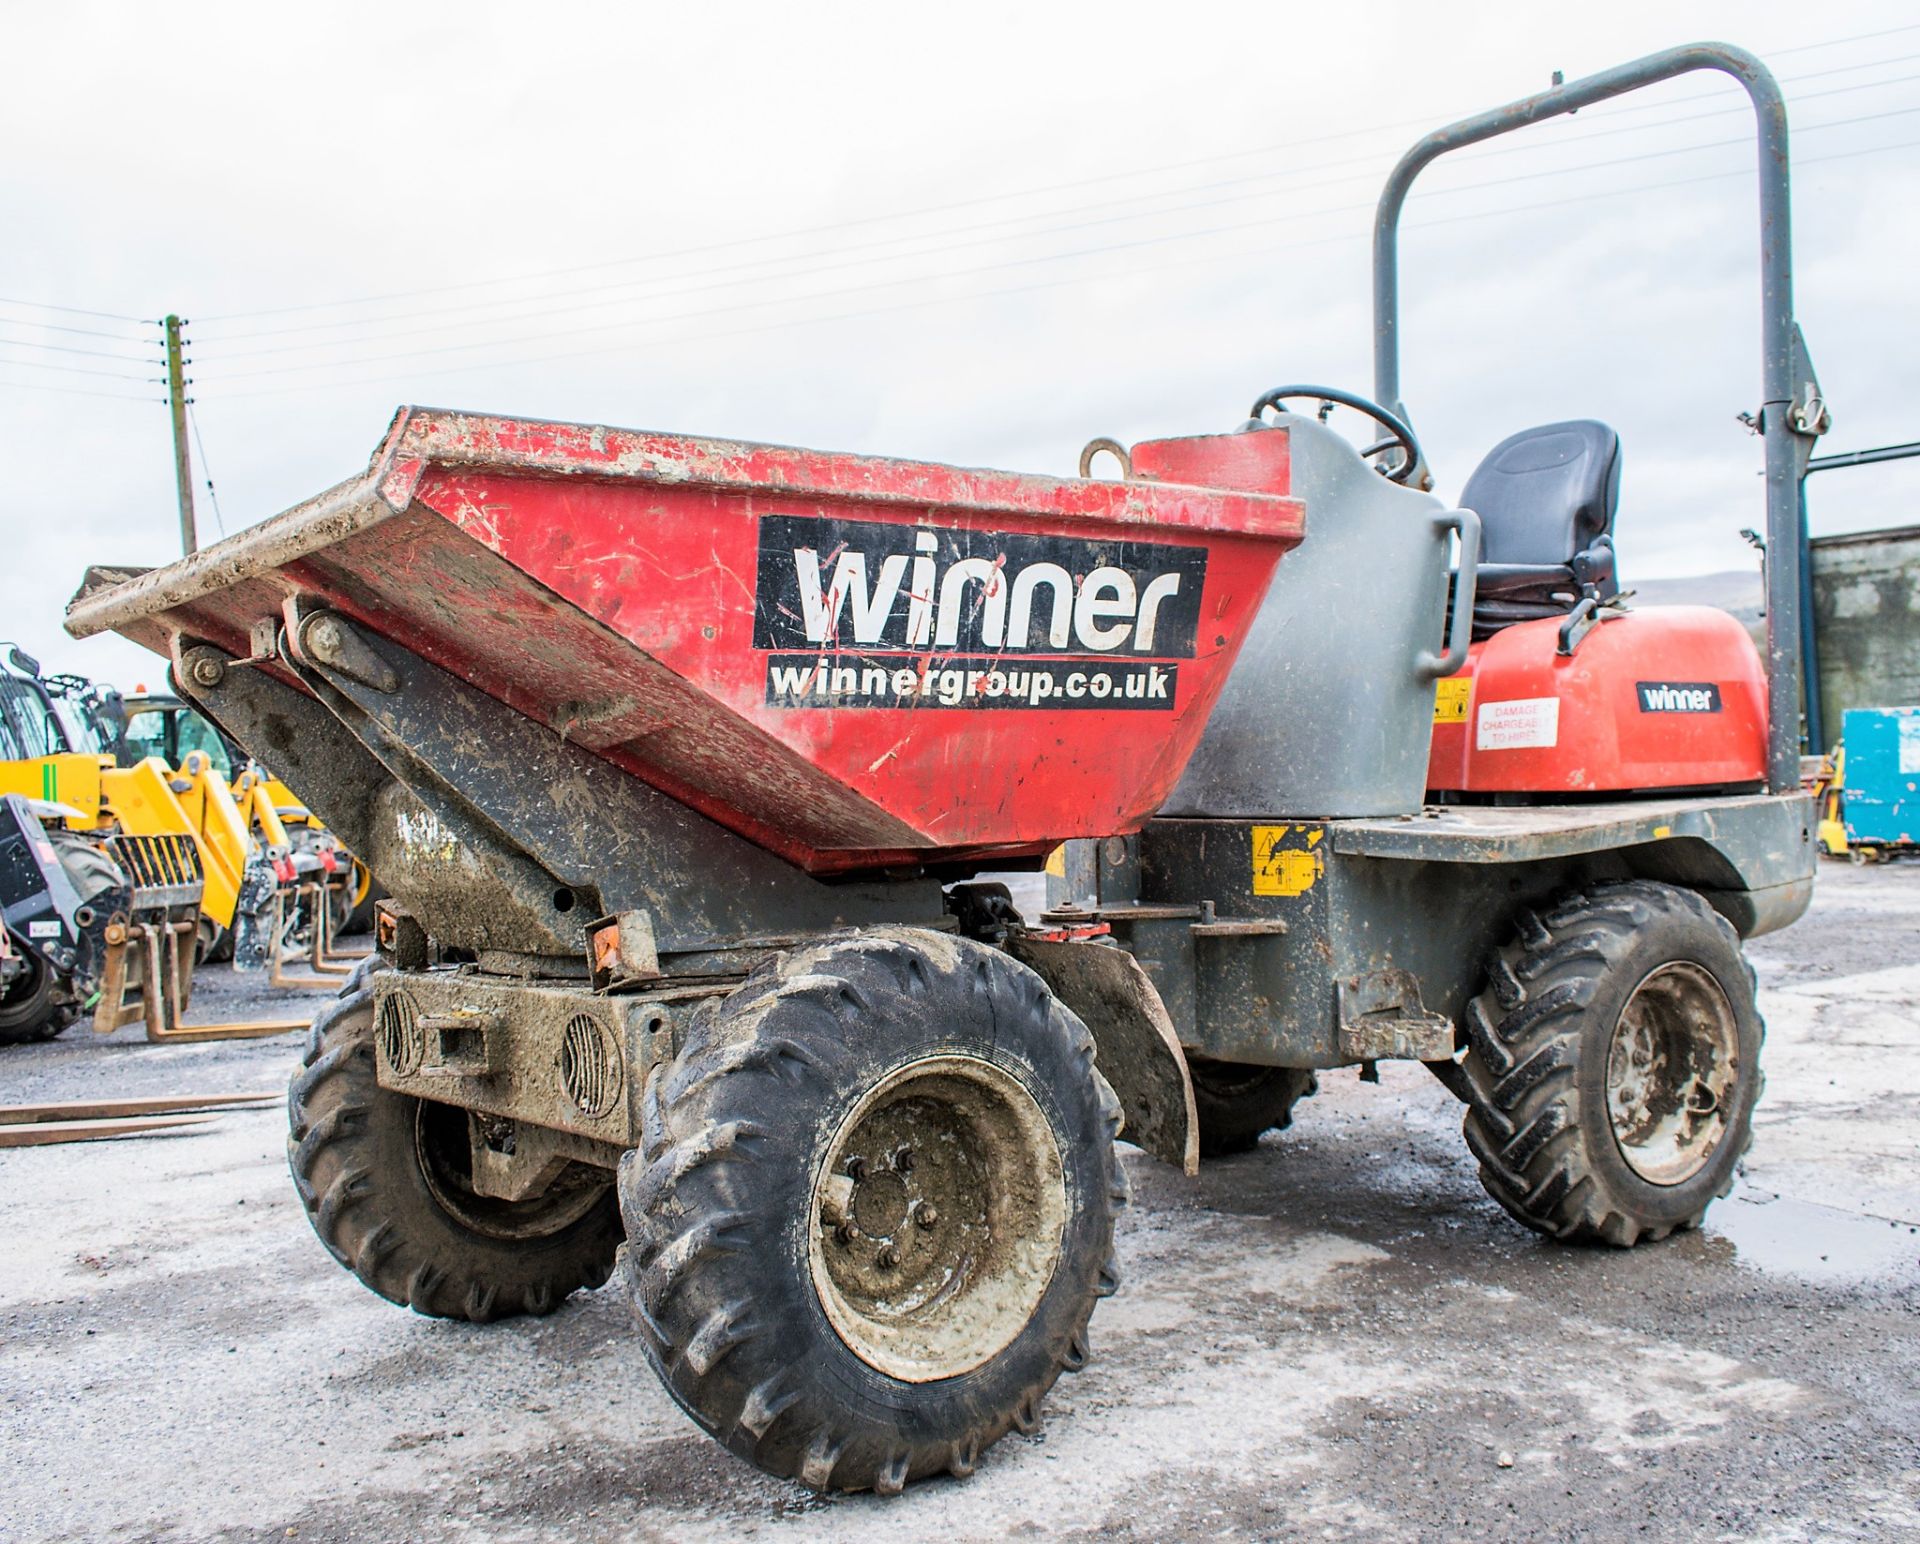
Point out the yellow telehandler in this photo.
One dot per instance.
(319, 890)
(100, 876)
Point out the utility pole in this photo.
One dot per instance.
(182, 466)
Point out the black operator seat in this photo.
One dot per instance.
(1546, 499)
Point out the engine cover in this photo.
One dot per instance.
(1669, 697)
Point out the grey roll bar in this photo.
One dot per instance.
(1789, 435)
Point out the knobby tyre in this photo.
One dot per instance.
(873, 1209)
(29, 1010)
(386, 1181)
(1238, 1104)
(1613, 1063)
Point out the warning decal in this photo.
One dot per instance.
(1521, 724)
(1287, 859)
(1450, 699)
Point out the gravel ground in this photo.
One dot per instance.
(1336, 1336)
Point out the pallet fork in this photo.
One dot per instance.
(329, 967)
(147, 971)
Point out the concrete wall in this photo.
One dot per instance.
(1866, 607)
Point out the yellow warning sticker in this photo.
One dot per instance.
(1450, 700)
(1287, 859)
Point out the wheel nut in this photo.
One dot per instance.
(856, 1168)
(903, 1160)
(925, 1214)
(889, 1256)
(844, 1232)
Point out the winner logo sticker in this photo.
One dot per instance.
(854, 614)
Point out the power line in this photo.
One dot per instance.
(811, 230)
(502, 317)
(1129, 175)
(1051, 257)
(81, 332)
(34, 364)
(76, 391)
(493, 313)
(62, 348)
(1837, 69)
(47, 305)
(922, 303)
(206, 467)
(1858, 37)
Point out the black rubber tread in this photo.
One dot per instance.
(718, 1203)
(352, 1149)
(29, 1011)
(360, 918)
(1535, 1067)
(357, 977)
(213, 944)
(43, 1006)
(1238, 1104)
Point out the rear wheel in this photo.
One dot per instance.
(387, 1184)
(1613, 1064)
(1239, 1103)
(212, 943)
(873, 1209)
(364, 893)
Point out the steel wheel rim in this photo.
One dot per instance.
(937, 1218)
(447, 1169)
(1671, 1070)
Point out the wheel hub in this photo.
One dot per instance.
(939, 1214)
(880, 1204)
(445, 1154)
(1671, 1071)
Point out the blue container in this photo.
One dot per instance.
(1882, 801)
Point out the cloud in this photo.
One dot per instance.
(237, 160)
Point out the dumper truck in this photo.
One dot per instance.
(682, 759)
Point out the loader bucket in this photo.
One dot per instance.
(851, 661)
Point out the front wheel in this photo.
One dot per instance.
(873, 1209)
(28, 1009)
(387, 1183)
(1613, 1064)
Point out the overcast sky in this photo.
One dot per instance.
(978, 234)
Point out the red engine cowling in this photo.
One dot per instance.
(1669, 697)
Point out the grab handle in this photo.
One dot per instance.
(1428, 665)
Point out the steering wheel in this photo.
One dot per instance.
(1399, 436)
